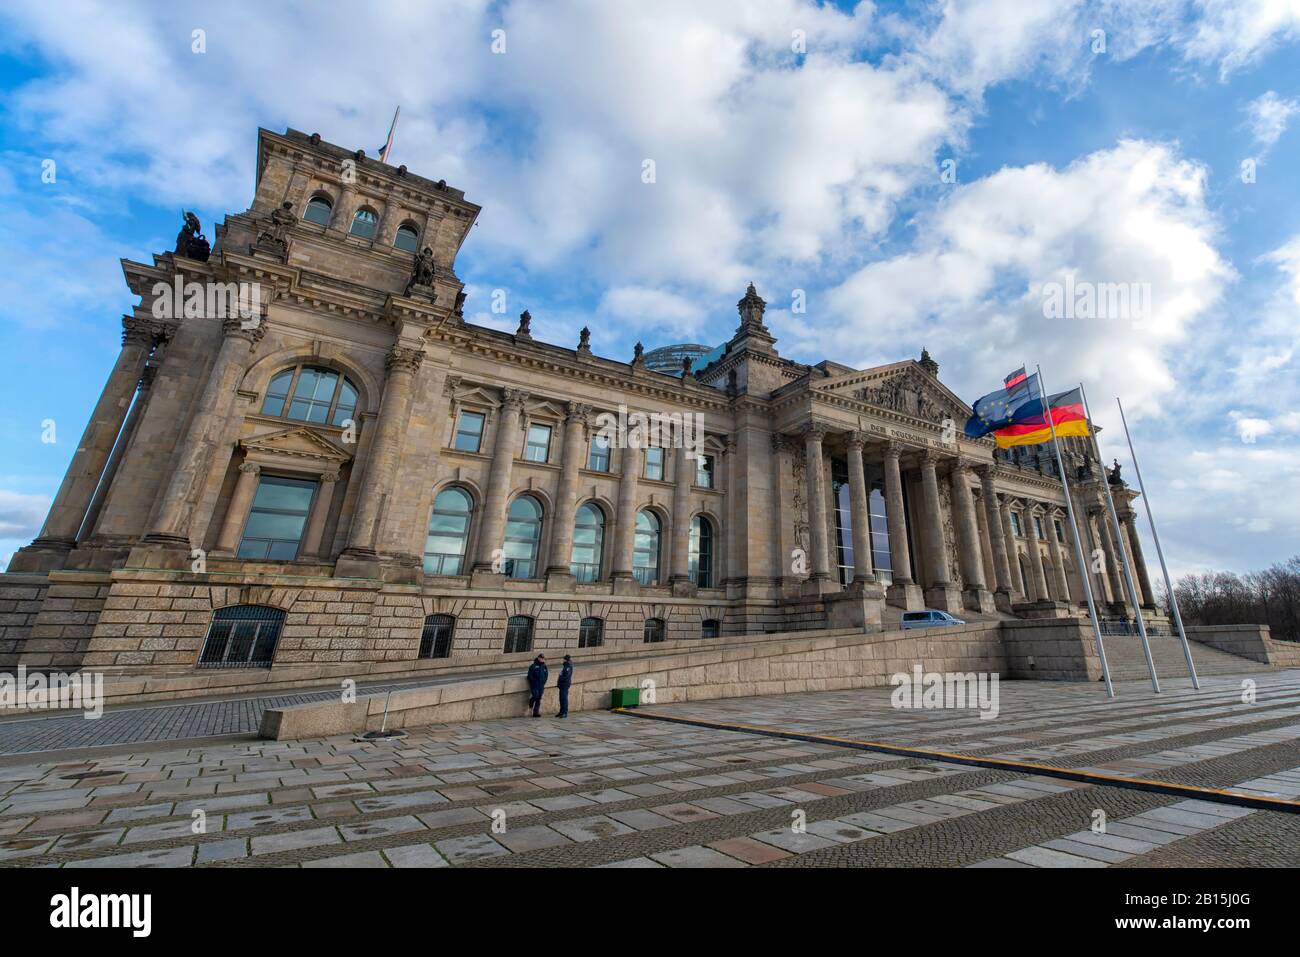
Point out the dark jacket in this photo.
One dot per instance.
(566, 676)
(537, 675)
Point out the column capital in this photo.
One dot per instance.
(250, 468)
(577, 412)
(514, 399)
(893, 449)
(962, 467)
(237, 327)
(930, 458)
(985, 471)
(404, 359)
(450, 385)
(329, 476)
(857, 441)
(142, 332)
(815, 433)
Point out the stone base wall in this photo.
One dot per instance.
(21, 599)
(1247, 641)
(773, 666)
(156, 621)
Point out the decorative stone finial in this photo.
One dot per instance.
(584, 341)
(637, 358)
(928, 364)
(525, 322)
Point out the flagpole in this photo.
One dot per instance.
(1155, 536)
(1119, 547)
(1074, 534)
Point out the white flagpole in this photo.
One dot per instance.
(1119, 547)
(1155, 536)
(1074, 534)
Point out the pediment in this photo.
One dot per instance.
(301, 442)
(911, 392)
(474, 395)
(546, 409)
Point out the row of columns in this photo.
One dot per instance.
(970, 530)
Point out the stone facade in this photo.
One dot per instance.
(805, 497)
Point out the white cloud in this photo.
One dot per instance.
(1237, 33)
(675, 314)
(1268, 116)
(21, 515)
(1132, 214)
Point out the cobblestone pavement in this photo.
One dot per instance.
(603, 789)
(173, 722)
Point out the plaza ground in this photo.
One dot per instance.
(607, 789)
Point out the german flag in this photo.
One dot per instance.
(1030, 426)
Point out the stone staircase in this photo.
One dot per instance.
(1127, 663)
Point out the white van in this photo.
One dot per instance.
(929, 619)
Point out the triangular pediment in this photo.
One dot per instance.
(297, 442)
(903, 387)
(544, 408)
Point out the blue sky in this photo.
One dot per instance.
(798, 145)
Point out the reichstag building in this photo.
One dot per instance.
(304, 454)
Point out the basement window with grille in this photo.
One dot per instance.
(243, 636)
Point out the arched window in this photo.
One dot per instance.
(364, 223)
(435, 641)
(519, 634)
(407, 238)
(242, 636)
(311, 394)
(654, 629)
(588, 543)
(710, 628)
(523, 537)
(444, 547)
(318, 210)
(701, 552)
(591, 633)
(645, 550)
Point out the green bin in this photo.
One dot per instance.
(625, 697)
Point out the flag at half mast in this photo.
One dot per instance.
(1031, 427)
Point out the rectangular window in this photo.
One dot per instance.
(654, 464)
(538, 448)
(1038, 526)
(276, 519)
(469, 432)
(1060, 530)
(598, 457)
(1015, 525)
(704, 471)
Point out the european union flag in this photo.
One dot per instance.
(998, 409)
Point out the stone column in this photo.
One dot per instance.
(209, 421)
(119, 448)
(381, 458)
(341, 219)
(902, 591)
(679, 563)
(1058, 563)
(1019, 587)
(860, 512)
(625, 521)
(71, 503)
(1114, 576)
(995, 523)
(241, 500)
(940, 593)
(936, 552)
(1147, 597)
(1035, 557)
(566, 500)
(975, 594)
(493, 531)
(818, 561)
(320, 510)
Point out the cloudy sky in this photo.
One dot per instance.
(922, 173)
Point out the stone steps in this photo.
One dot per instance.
(1127, 662)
